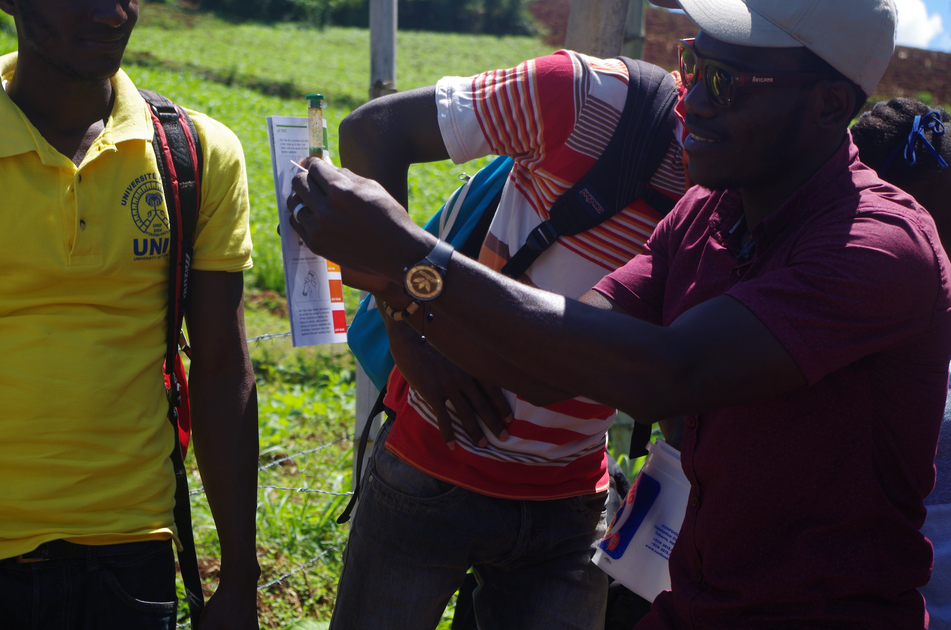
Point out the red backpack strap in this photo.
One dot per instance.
(179, 159)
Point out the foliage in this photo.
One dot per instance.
(306, 415)
(492, 17)
(7, 25)
(619, 444)
(315, 12)
(925, 97)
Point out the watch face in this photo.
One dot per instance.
(423, 282)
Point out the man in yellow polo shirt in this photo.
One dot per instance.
(86, 483)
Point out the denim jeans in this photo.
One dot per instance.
(937, 593)
(414, 537)
(129, 586)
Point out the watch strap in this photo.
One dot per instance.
(440, 255)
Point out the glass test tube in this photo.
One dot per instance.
(316, 125)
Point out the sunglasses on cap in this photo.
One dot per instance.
(722, 81)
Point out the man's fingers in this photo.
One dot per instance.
(311, 189)
(444, 422)
(481, 405)
(323, 174)
(464, 412)
(498, 401)
(295, 205)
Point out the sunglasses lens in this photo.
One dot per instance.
(688, 68)
(719, 85)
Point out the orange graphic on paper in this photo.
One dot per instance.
(336, 290)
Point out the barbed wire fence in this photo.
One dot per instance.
(303, 490)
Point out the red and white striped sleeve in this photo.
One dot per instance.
(520, 111)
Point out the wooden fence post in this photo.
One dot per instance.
(596, 27)
(366, 395)
(634, 30)
(382, 47)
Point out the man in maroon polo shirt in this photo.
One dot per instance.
(793, 306)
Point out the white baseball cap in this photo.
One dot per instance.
(856, 37)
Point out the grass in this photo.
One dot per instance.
(306, 411)
(239, 74)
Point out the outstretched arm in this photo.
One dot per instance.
(714, 355)
(463, 350)
(225, 415)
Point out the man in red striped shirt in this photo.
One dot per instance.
(471, 475)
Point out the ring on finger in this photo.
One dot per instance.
(297, 209)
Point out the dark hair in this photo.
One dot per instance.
(811, 62)
(879, 131)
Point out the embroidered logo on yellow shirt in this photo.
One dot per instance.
(144, 198)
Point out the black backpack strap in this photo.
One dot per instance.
(179, 158)
(378, 408)
(622, 173)
(180, 161)
(640, 436)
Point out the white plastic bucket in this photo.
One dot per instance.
(637, 546)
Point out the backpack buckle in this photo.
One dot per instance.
(541, 238)
(165, 112)
(174, 392)
(183, 344)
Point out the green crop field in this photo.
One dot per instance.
(239, 74)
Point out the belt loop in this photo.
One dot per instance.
(92, 558)
(21, 560)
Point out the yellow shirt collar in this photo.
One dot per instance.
(130, 119)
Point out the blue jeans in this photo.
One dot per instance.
(937, 593)
(414, 537)
(129, 586)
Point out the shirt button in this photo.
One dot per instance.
(691, 422)
(79, 178)
(698, 578)
(694, 501)
(82, 224)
